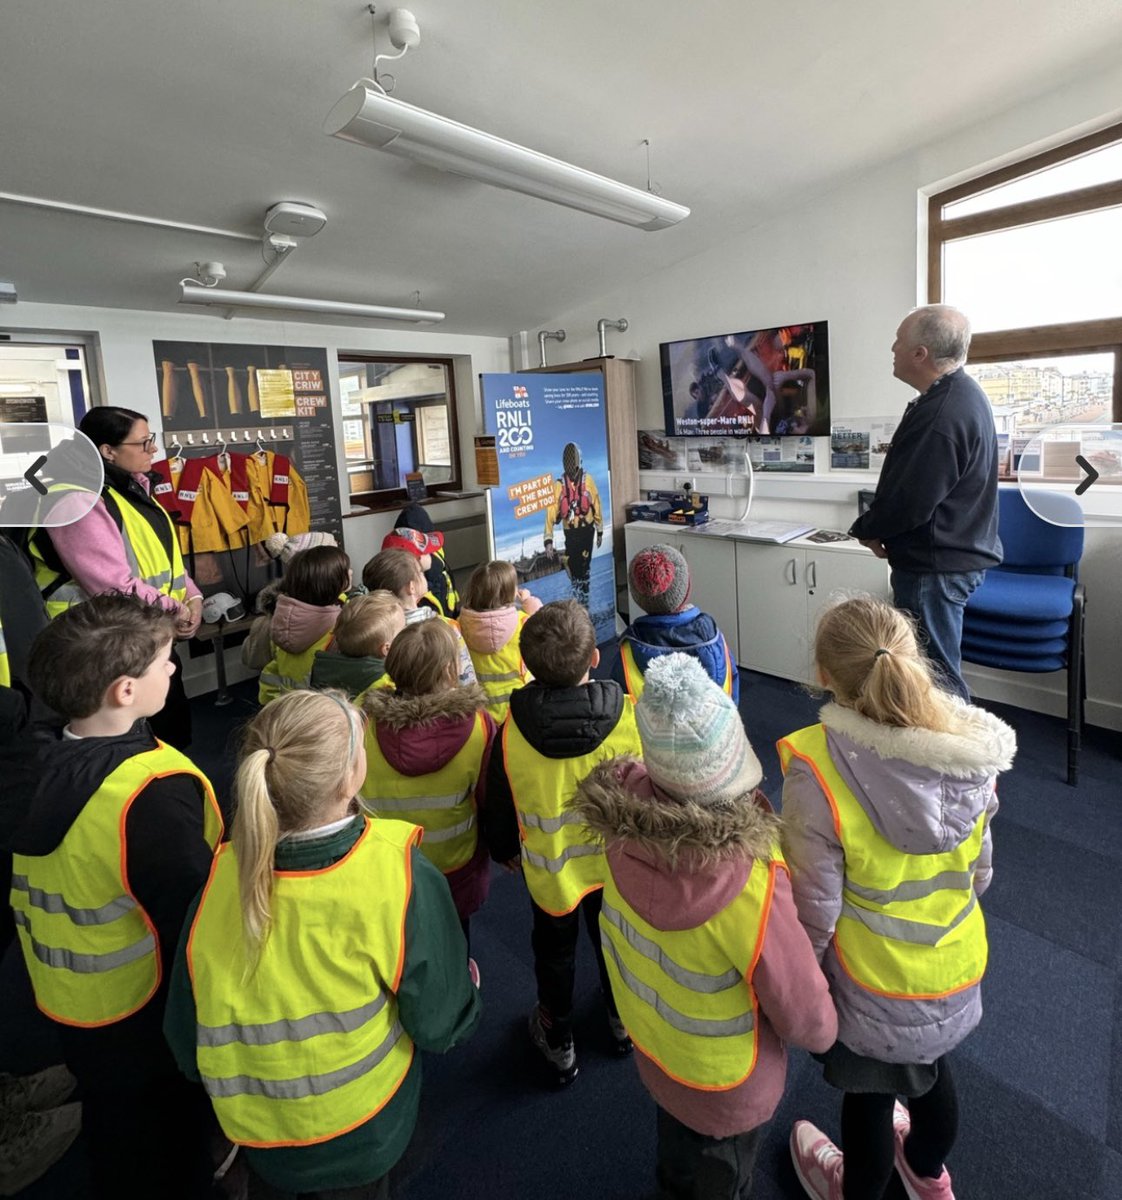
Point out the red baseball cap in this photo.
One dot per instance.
(413, 540)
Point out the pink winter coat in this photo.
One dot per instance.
(715, 848)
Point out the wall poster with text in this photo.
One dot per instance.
(548, 511)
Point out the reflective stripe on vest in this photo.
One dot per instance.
(90, 947)
(289, 1053)
(686, 996)
(561, 861)
(145, 555)
(500, 673)
(287, 671)
(633, 676)
(442, 802)
(910, 926)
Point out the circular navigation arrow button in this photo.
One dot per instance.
(50, 474)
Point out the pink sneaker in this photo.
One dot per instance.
(473, 971)
(918, 1187)
(818, 1162)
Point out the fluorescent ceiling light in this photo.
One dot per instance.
(194, 293)
(383, 123)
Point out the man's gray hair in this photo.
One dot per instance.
(945, 331)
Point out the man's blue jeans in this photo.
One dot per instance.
(936, 601)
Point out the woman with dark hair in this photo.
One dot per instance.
(125, 543)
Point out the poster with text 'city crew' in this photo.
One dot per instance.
(551, 512)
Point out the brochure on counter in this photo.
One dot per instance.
(776, 532)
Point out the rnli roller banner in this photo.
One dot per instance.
(551, 511)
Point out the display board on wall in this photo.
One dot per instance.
(246, 390)
(213, 386)
(547, 511)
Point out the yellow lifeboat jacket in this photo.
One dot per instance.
(199, 500)
(278, 497)
(89, 945)
(307, 1044)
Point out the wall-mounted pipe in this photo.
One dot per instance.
(557, 335)
(603, 324)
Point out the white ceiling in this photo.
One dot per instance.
(209, 111)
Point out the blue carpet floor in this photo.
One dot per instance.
(1040, 1081)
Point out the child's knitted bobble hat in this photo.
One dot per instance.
(694, 745)
(659, 579)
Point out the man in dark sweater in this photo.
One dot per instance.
(934, 515)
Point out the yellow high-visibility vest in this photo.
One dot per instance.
(501, 673)
(286, 671)
(441, 802)
(633, 676)
(685, 996)
(307, 1045)
(89, 946)
(560, 860)
(910, 925)
(5, 668)
(148, 559)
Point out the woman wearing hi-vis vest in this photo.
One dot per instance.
(323, 952)
(709, 966)
(886, 813)
(125, 543)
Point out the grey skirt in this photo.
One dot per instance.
(851, 1072)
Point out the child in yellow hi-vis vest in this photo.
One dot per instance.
(886, 814)
(559, 727)
(491, 620)
(356, 661)
(118, 834)
(323, 952)
(310, 600)
(709, 965)
(427, 748)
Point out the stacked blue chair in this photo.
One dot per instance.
(1028, 614)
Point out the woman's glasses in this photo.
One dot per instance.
(148, 444)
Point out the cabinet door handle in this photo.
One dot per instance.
(812, 574)
(793, 575)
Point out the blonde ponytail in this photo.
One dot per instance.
(296, 757)
(870, 657)
(254, 835)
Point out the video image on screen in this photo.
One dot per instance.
(763, 382)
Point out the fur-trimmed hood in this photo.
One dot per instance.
(421, 734)
(923, 790)
(676, 864)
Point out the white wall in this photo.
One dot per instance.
(128, 377)
(855, 255)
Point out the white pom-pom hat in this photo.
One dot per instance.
(694, 744)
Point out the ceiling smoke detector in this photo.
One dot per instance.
(293, 219)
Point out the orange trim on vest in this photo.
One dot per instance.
(962, 987)
(414, 841)
(793, 753)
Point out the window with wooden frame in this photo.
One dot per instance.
(1030, 254)
(399, 418)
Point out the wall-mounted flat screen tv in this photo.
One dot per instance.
(773, 382)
